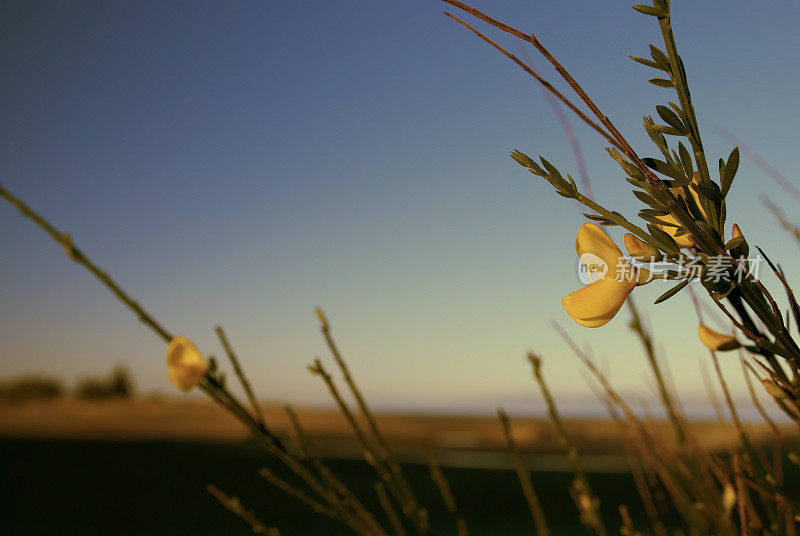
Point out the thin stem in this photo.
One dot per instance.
(537, 512)
(383, 452)
(587, 502)
(235, 506)
(637, 327)
(301, 496)
(78, 256)
(240, 374)
(549, 87)
(389, 510)
(447, 495)
(339, 495)
(370, 452)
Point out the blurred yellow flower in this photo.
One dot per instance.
(716, 341)
(185, 363)
(596, 304)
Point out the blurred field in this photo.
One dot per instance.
(140, 467)
(411, 435)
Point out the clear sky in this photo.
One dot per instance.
(240, 163)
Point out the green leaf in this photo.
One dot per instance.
(733, 242)
(653, 212)
(668, 243)
(660, 58)
(524, 160)
(671, 118)
(671, 292)
(731, 166)
(595, 217)
(568, 195)
(666, 129)
(677, 183)
(646, 62)
(709, 190)
(551, 169)
(650, 10)
(686, 159)
(664, 168)
(652, 219)
(662, 82)
(649, 200)
(636, 182)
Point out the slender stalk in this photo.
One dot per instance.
(339, 495)
(259, 416)
(537, 512)
(383, 452)
(301, 496)
(389, 510)
(370, 453)
(447, 495)
(235, 506)
(666, 397)
(587, 502)
(74, 253)
(547, 85)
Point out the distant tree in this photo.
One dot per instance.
(117, 385)
(30, 386)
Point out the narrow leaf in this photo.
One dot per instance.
(671, 292)
(660, 58)
(661, 82)
(671, 118)
(645, 61)
(686, 159)
(650, 10)
(731, 166)
(733, 242)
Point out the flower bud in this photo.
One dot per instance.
(639, 249)
(728, 498)
(743, 249)
(185, 363)
(716, 341)
(773, 389)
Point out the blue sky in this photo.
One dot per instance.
(240, 163)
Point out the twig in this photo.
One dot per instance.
(447, 495)
(390, 512)
(78, 256)
(234, 505)
(547, 85)
(240, 374)
(384, 452)
(301, 496)
(524, 478)
(587, 502)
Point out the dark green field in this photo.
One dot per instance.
(158, 488)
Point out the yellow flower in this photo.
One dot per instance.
(639, 249)
(185, 363)
(716, 341)
(728, 498)
(596, 304)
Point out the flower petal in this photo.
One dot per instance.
(186, 365)
(592, 239)
(716, 341)
(595, 305)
